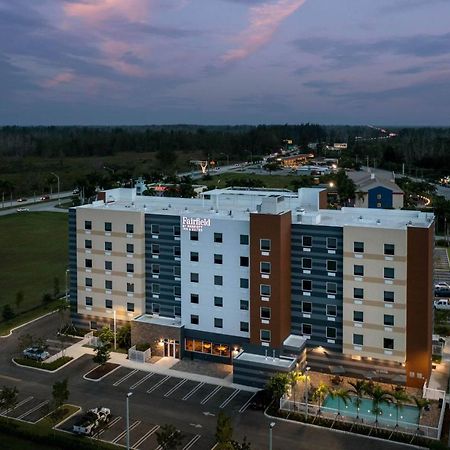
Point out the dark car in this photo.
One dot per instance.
(442, 292)
(261, 400)
(45, 197)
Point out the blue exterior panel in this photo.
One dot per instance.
(73, 259)
(380, 195)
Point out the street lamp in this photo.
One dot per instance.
(115, 331)
(67, 285)
(59, 198)
(306, 390)
(128, 419)
(271, 426)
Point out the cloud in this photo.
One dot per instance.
(407, 5)
(60, 78)
(264, 21)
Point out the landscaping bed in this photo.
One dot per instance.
(101, 371)
(60, 414)
(43, 365)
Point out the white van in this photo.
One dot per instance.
(443, 303)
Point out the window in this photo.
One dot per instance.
(176, 230)
(108, 304)
(389, 272)
(243, 239)
(265, 267)
(108, 265)
(331, 265)
(265, 312)
(130, 268)
(243, 305)
(307, 307)
(155, 249)
(88, 301)
(155, 268)
(129, 228)
(358, 270)
(358, 316)
(177, 311)
(306, 329)
(265, 290)
(108, 284)
(194, 277)
(389, 296)
(88, 263)
(331, 333)
(218, 301)
(108, 246)
(177, 251)
(306, 263)
(389, 249)
(87, 243)
(194, 298)
(218, 323)
(130, 287)
(130, 307)
(243, 283)
(194, 256)
(306, 285)
(307, 241)
(108, 226)
(177, 271)
(155, 228)
(388, 343)
(388, 320)
(331, 243)
(155, 288)
(331, 310)
(358, 247)
(265, 245)
(155, 308)
(358, 339)
(218, 239)
(331, 288)
(218, 259)
(88, 282)
(244, 327)
(177, 291)
(243, 261)
(194, 319)
(218, 280)
(87, 225)
(194, 235)
(130, 248)
(378, 196)
(358, 293)
(264, 335)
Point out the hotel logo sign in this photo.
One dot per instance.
(195, 224)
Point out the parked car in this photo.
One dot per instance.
(22, 209)
(21, 199)
(45, 197)
(442, 292)
(261, 400)
(443, 303)
(442, 285)
(91, 421)
(36, 353)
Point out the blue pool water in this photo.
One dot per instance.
(407, 414)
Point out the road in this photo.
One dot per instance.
(192, 417)
(40, 206)
(32, 200)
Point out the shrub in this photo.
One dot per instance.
(57, 363)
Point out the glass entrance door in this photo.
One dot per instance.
(171, 348)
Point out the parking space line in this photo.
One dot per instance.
(168, 393)
(110, 425)
(247, 403)
(124, 432)
(135, 385)
(211, 395)
(228, 400)
(146, 436)
(128, 375)
(158, 384)
(32, 410)
(28, 399)
(192, 442)
(194, 390)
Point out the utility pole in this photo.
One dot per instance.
(59, 197)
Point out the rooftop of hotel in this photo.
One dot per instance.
(239, 203)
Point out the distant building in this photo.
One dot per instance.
(313, 170)
(295, 160)
(337, 146)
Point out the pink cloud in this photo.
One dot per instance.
(264, 21)
(61, 78)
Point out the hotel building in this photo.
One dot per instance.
(262, 279)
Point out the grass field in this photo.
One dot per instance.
(270, 181)
(33, 251)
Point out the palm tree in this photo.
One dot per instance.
(319, 394)
(359, 388)
(421, 403)
(294, 377)
(340, 394)
(399, 397)
(379, 396)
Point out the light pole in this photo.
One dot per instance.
(67, 285)
(271, 426)
(59, 198)
(306, 390)
(115, 331)
(128, 419)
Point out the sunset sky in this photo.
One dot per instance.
(99, 62)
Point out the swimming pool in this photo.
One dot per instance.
(407, 414)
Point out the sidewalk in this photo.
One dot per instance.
(439, 376)
(163, 367)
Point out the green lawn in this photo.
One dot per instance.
(270, 180)
(33, 251)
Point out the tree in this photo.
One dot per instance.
(342, 395)
(294, 377)
(124, 336)
(102, 355)
(106, 336)
(399, 397)
(8, 398)
(319, 394)
(421, 403)
(19, 299)
(245, 445)
(47, 298)
(224, 432)
(60, 393)
(359, 388)
(62, 308)
(25, 341)
(379, 396)
(7, 313)
(169, 438)
(278, 385)
(56, 287)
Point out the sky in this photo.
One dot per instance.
(137, 62)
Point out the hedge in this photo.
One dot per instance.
(56, 364)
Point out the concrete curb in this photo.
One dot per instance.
(11, 331)
(348, 433)
(79, 408)
(43, 370)
(101, 378)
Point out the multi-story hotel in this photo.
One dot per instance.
(261, 279)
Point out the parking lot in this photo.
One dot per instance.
(29, 409)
